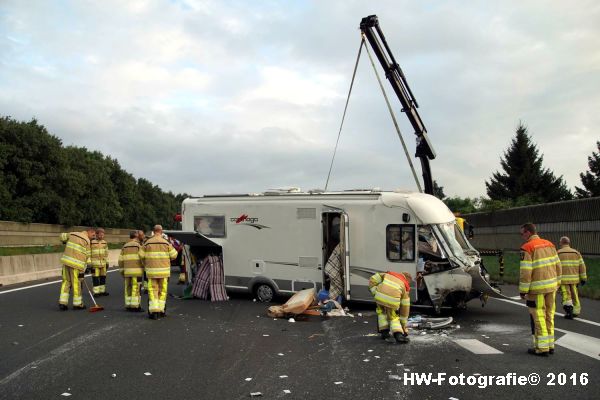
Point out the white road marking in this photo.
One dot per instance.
(583, 344)
(477, 347)
(556, 313)
(44, 284)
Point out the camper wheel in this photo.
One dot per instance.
(264, 292)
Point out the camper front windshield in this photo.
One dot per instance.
(454, 239)
(428, 244)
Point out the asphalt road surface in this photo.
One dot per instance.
(228, 350)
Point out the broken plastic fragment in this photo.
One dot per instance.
(147, 373)
(370, 351)
(377, 357)
(65, 394)
(280, 354)
(255, 394)
(366, 360)
(114, 375)
(291, 320)
(248, 379)
(265, 335)
(366, 322)
(286, 391)
(338, 383)
(20, 326)
(283, 376)
(359, 314)
(504, 344)
(394, 377)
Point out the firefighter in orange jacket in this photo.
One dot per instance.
(132, 270)
(540, 276)
(573, 273)
(391, 293)
(75, 260)
(156, 255)
(99, 249)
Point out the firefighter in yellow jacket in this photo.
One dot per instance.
(391, 293)
(75, 260)
(156, 255)
(540, 276)
(573, 273)
(99, 263)
(132, 270)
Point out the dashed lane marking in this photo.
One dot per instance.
(44, 284)
(583, 344)
(477, 347)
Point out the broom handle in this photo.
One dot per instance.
(88, 289)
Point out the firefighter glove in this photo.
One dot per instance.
(582, 283)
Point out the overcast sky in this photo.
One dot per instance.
(241, 96)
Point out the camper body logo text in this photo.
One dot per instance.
(244, 219)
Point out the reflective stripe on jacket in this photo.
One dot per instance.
(77, 251)
(540, 269)
(573, 267)
(129, 259)
(99, 249)
(156, 255)
(387, 290)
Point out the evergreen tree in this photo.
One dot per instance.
(590, 179)
(524, 180)
(438, 191)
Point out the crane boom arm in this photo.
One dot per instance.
(424, 151)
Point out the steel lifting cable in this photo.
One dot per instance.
(394, 119)
(362, 42)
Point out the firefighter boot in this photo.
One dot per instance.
(385, 333)
(568, 312)
(400, 337)
(62, 307)
(535, 353)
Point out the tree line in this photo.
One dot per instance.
(524, 180)
(43, 181)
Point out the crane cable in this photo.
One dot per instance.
(412, 167)
(362, 42)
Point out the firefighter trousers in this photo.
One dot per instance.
(99, 280)
(132, 292)
(570, 297)
(70, 279)
(388, 319)
(541, 313)
(157, 294)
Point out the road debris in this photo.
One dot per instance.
(280, 354)
(287, 391)
(338, 383)
(265, 335)
(291, 320)
(366, 360)
(395, 377)
(66, 394)
(147, 373)
(282, 376)
(255, 394)
(248, 379)
(20, 326)
(114, 375)
(371, 334)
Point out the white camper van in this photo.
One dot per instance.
(279, 242)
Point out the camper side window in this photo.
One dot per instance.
(212, 226)
(400, 241)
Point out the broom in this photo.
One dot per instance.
(96, 307)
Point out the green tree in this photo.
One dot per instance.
(461, 205)
(590, 179)
(438, 191)
(524, 180)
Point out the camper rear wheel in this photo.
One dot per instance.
(264, 292)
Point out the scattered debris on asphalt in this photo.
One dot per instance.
(66, 394)
(291, 320)
(147, 373)
(282, 376)
(395, 377)
(255, 394)
(286, 391)
(248, 379)
(338, 383)
(114, 375)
